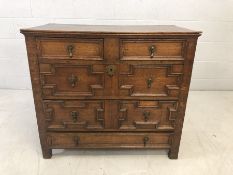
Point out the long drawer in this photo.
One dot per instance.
(106, 81)
(110, 115)
(109, 140)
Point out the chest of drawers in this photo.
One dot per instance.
(110, 86)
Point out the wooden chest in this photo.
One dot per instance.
(110, 86)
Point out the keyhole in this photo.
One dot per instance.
(110, 70)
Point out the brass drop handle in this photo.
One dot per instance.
(152, 51)
(111, 69)
(74, 115)
(146, 115)
(73, 80)
(70, 49)
(149, 82)
(76, 140)
(145, 140)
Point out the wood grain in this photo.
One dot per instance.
(109, 90)
(83, 49)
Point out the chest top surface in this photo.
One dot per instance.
(110, 29)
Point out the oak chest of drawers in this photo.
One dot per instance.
(110, 86)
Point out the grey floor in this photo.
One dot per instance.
(206, 146)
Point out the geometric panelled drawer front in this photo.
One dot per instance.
(152, 115)
(141, 80)
(72, 80)
(74, 115)
(150, 80)
(110, 86)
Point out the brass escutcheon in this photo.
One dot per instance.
(111, 69)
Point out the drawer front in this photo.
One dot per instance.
(130, 115)
(83, 49)
(150, 80)
(135, 49)
(151, 115)
(109, 140)
(66, 80)
(74, 115)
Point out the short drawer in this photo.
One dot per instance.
(72, 80)
(60, 48)
(109, 140)
(150, 80)
(148, 115)
(74, 115)
(110, 115)
(148, 49)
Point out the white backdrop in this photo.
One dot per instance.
(213, 68)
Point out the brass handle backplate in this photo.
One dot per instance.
(145, 140)
(74, 115)
(70, 49)
(111, 69)
(73, 80)
(146, 115)
(152, 51)
(149, 82)
(76, 140)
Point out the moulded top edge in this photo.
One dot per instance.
(110, 29)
